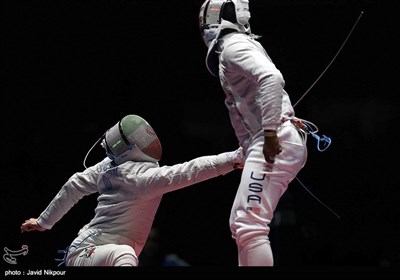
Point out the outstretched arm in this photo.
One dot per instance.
(166, 179)
(78, 185)
(30, 225)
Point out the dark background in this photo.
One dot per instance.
(74, 68)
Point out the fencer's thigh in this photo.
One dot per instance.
(262, 185)
(103, 255)
(258, 192)
(94, 248)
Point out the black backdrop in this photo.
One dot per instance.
(74, 68)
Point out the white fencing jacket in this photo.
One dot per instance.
(254, 87)
(130, 194)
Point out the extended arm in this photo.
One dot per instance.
(79, 185)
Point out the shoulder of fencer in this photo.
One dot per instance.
(139, 166)
(238, 42)
(97, 168)
(128, 168)
(235, 38)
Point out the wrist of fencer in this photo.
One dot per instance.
(269, 133)
(237, 160)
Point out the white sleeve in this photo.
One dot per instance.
(79, 185)
(165, 179)
(251, 60)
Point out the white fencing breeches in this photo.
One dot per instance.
(93, 248)
(259, 192)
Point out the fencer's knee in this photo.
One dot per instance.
(247, 232)
(251, 239)
(125, 255)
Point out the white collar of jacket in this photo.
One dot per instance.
(214, 50)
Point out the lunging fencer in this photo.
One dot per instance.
(130, 184)
(263, 118)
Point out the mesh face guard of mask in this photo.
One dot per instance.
(210, 17)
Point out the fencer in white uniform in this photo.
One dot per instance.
(260, 111)
(130, 184)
